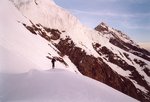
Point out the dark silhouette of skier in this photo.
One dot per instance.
(53, 62)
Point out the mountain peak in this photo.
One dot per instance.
(102, 27)
(112, 33)
(103, 24)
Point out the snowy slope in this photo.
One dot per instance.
(56, 86)
(22, 51)
(34, 31)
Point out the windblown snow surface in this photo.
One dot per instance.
(56, 85)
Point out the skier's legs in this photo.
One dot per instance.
(53, 65)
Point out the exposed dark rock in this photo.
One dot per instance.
(147, 71)
(137, 49)
(94, 67)
(142, 55)
(102, 27)
(134, 50)
(97, 45)
(115, 40)
(127, 56)
(141, 63)
(118, 44)
(115, 59)
(31, 29)
(39, 29)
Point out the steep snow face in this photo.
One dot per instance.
(20, 50)
(47, 13)
(56, 86)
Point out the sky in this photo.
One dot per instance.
(130, 16)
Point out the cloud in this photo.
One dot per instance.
(130, 21)
(95, 13)
(130, 25)
(109, 13)
(131, 1)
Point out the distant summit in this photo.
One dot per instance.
(102, 27)
(121, 40)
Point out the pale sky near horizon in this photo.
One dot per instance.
(130, 16)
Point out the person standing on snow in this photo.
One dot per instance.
(53, 62)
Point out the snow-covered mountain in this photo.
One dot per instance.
(34, 31)
(122, 41)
